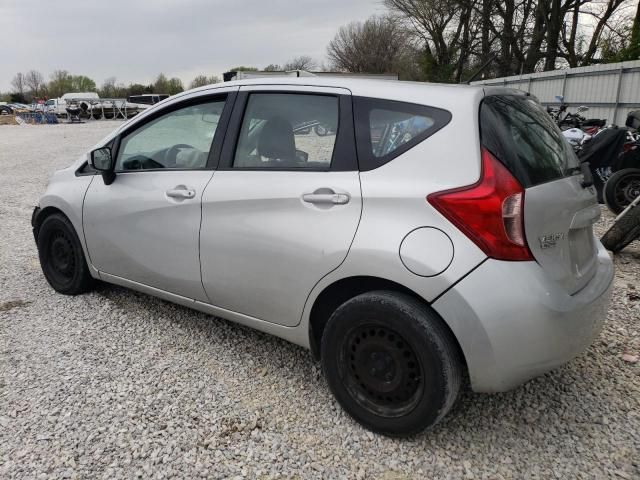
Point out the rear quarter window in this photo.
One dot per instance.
(386, 129)
(520, 133)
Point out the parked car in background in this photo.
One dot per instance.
(147, 98)
(431, 232)
(142, 102)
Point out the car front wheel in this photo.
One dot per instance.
(61, 256)
(391, 363)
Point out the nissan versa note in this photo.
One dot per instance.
(410, 235)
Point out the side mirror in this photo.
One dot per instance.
(560, 98)
(101, 159)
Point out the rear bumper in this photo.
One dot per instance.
(513, 323)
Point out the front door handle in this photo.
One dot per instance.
(326, 196)
(181, 192)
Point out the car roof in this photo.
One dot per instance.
(416, 92)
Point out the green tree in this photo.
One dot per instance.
(161, 85)
(632, 51)
(273, 67)
(82, 83)
(60, 83)
(174, 86)
(139, 89)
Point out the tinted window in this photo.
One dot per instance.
(386, 129)
(179, 139)
(281, 130)
(518, 131)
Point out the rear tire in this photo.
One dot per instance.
(61, 256)
(621, 189)
(623, 232)
(391, 363)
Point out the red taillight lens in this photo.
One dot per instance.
(490, 212)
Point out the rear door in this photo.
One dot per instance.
(283, 207)
(559, 212)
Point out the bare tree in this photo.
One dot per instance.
(377, 45)
(108, 88)
(273, 67)
(303, 62)
(202, 80)
(444, 27)
(18, 84)
(34, 82)
(525, 35)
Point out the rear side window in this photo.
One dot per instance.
(519, 133)
(386, 129)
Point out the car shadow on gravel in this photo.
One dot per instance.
(568, 396)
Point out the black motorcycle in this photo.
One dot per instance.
(622, 192)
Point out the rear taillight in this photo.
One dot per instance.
(489, 212)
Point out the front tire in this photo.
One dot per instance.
(391, 363)
(621, 189)
(623, 231)
(61, 256)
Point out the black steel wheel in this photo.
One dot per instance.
(622, 188)
(391, 362)
(381, 371)
(61, 256)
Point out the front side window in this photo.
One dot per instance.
(387, 128)
(293, 131)
(181, 139)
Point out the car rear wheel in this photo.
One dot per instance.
(61, 256)
(391, 363)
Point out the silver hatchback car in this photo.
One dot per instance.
(410, 235)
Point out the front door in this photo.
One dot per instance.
(145, 226)
(282, 209)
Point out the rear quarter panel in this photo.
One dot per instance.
(394, 197)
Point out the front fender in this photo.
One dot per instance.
(65, 192)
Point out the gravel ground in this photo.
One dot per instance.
(116, 384)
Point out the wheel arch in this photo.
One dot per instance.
(344, 289)
(41, 214)
(50, 205)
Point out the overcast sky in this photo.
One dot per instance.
(134, 40)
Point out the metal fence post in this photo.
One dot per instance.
(564, 84)
(615, 108)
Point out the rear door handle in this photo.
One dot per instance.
(326, 198)
(181, 193)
